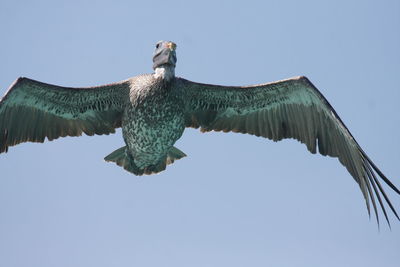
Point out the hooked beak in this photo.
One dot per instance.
(165, 55)
(171, 46)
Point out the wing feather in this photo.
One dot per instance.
(33, 111)
(292, 108)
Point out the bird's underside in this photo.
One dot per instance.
(151, 124)
(154, 109)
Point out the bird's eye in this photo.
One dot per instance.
(157, 45)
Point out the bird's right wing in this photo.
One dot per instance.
(292, 108)
(32, 111)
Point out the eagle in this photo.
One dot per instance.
(154, 109)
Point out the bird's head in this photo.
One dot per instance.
(164, 54)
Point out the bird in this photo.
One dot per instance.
(154, 109)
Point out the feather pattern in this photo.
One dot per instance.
(33, 111)
(292, 108)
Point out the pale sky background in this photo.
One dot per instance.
(236, 200)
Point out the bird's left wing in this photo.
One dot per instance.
(32, 111)
(292, 108)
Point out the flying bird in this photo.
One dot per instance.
(154, 110)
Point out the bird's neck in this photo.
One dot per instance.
(166, 72)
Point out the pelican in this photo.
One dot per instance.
(154, 110)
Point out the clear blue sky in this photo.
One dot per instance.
(236, 200)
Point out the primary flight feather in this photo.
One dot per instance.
(154, 110)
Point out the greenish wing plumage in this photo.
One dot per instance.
(292, 108)
(32, 111)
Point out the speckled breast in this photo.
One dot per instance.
(154, 121)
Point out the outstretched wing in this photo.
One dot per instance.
(32, 111)
(292, 108)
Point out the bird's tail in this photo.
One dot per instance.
(125, 160)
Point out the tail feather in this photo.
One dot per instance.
(125, 160)
(121, 158)
(174, 154)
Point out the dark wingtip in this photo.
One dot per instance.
(383, 177)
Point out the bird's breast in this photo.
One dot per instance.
(153, 122)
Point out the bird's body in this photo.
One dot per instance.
(154, 109)
(152, 122)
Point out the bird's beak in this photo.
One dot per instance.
(171, 46)
(166, 55)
